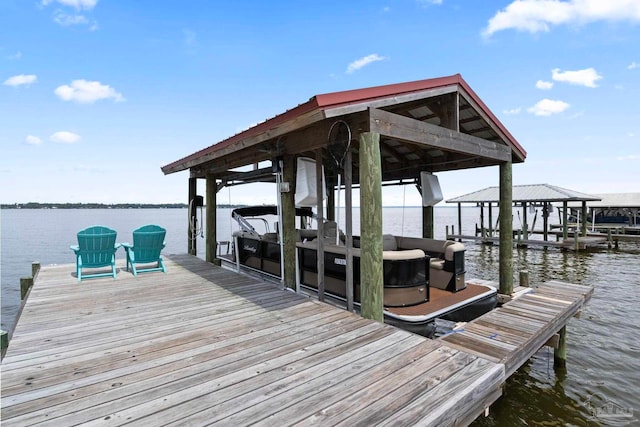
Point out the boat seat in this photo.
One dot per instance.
(269, 237)
(437, 263)
(389, 243)
(403, 254)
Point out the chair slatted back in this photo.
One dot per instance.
(148, 241)
(97, 246)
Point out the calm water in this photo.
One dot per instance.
(603, 364)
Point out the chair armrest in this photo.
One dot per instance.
(74, 248)
(117, 245)
(125, 245)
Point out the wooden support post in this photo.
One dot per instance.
(319, 194)
(583, 216)
(545, 219)
(560, 353)
(371, 283)
(524, 278)
(331, 197)
(490, 219)
(4, 341)
(25, 285)
(565, 218)
(506, 229)
(525, 222)
(460, 220)
(288, 226)
(192, 214)
(482, 217)
(348, 221)
(427, 222)
(35, 269)
(211, 239)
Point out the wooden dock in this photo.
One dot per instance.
(584, 242)
(512, 333)
(204, 345)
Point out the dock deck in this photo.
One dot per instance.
(510, 334)
(584, 242)
(204, 345)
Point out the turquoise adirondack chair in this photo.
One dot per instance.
(148, 241)
(96, 248)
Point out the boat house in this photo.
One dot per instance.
(534, 196)
(368, 138)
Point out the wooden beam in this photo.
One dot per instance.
(299, 141)
(371, 282)
(348, 220)
(481, 112)
(560, 352)
(212, 209)
(250, 141)
(385, 102)
(414, 131)
(506, 229)
(288, 226)
(320, 215)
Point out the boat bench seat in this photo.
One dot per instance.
(443, 249)
(266, 237)
(391, 255)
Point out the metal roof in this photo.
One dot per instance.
(421, 101)
(616, 200)
(526, 193)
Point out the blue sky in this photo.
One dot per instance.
(97, 95)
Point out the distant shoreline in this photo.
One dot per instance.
(33, 205)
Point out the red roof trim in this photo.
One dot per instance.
(335, 99)
(359, 95)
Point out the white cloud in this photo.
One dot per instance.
(64, 137)
(359, 63)
(513, 111)
(547, 107)
(86, 92)
(587, 77)
(428, 2)
(539, 15)
(20, 80)
(15, 57)
(66, 20)
(32, 140)
(541, 84)
(77, 4)
(633, 66)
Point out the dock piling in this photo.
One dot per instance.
(560, 353)
(524, 278)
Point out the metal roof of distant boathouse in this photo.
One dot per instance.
(434, 124)
(616, 200)
(527, 193)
